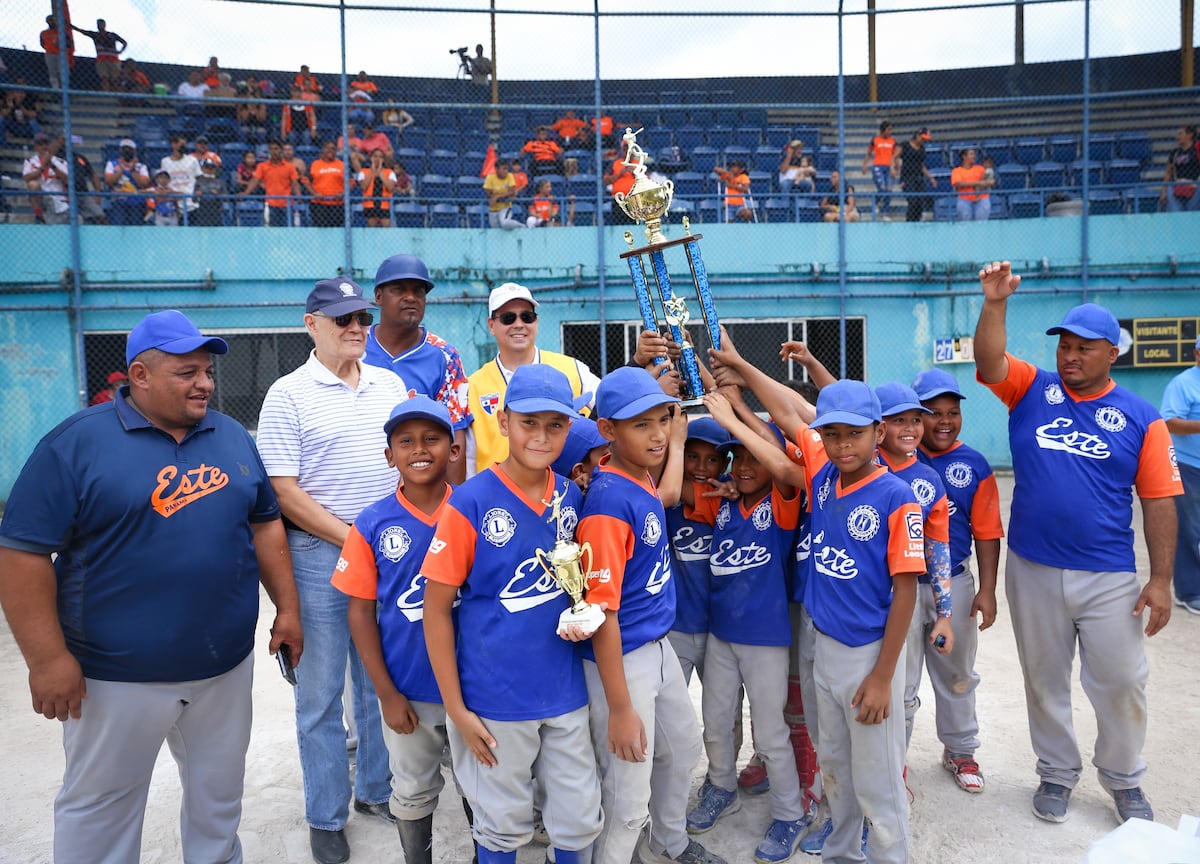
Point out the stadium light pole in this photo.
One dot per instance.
(1187, 20)
(1019, 33)
(872, 79)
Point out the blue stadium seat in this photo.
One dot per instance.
(1101, 147)
(558, 183)
(691, 185)
(1025, 205)
(780, 209)
(727, 117)
(672, 117)
(808, 209)
(762, 183)
(1046, 175)
(942, 176)
(444, 162)
(1028, 151)
(1135, 145)
(511, 139)
(1105, 202)
(582, 184)
(720, 136)
(1000, 149)
(307, 152)
(416, 136)
(477, 215)
(702, 158)
(1123, 172)
(1076, 169)
(249, 213)
(671, 159)
(585, 213)
(435, 187)
(413, 159)
(447, 139)
(231, 154)
(689, 137)
(443, 119)
(709, 210)
(468, 188)
(1144, 199)
(472, 160)
(944, 208)
(221, 130)
(748, 136)
(779, 136)
(938, 156)
(734, 151)
(827, 159)
(1064, 148)
(754, 116)
(810, 135)
(444, 216)
(1012, 176)
(474, 139)
(767, 158)
(406, 214)
(999, 207)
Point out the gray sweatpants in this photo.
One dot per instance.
(763, 669)
(1051, 611)
(557, 752)
(110, 754)
(416, 762)
(861, 764)
(952, 675)
(657, 789)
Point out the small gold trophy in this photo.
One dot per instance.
(564, 565)
(647, 201)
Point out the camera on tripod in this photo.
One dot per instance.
(464, 62)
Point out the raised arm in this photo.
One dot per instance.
(777, 398)
(786, 473)
(817, 373)
(991, 336)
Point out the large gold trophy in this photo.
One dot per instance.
(564, 563)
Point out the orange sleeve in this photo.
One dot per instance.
(906, 540)
(612, 545)
(937, 526)
(356, 573)
(452, 550)
(985, 511)
(705, 508)
(1016, 385)
(785, 510)
(1158, 473)
(812, 455)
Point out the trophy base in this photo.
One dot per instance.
(588, 618)
(664, 244)
(685, 404)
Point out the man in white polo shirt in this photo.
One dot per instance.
(318, 434)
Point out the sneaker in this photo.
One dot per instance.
(1050, 802)
(703, 790)
(1192, 606)
(815, 839)
(715, 804)
(753, 779)
(1132, 804)
(965, 770)
(780, 841)
(693, 854)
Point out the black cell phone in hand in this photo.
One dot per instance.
(284, 656)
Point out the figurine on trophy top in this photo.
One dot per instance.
(647, 201)
(564, 564)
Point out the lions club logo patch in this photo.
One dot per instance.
(394, 542)
(651, 530)
(567, 520)
(498, 526)
(1054, 394)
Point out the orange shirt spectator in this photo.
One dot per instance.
(328, 178)
(372, 140)
(543, 150)
(606, 125)
(277, 177)
(965, 178)
(364, 85)
(621, 178)
(519, 176)
(568, 126)
(306, 81)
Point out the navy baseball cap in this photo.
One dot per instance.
(172, 332)
(538, 387)
(895, 398)
(582, 438)
(1091, 322)
(936, 382)
(849, 402)
(334, 297)
(419, 406)
(708, 430)
(403, 267)
(627, 392)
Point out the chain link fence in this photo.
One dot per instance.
(221, 156)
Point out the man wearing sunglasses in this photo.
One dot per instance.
(318, 434)
(512, 321)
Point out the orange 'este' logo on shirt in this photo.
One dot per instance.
(191, 486)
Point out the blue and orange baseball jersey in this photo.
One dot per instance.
(691, 542)
(930, 494)
(430, 368)
(973, 499)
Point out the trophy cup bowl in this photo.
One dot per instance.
(564, 564)
(648, 202)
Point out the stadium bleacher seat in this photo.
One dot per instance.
(585, 213)
(735, 151)
(443, 119)
(1025, 205)
(307, 152)
(468, 187)
(810, 135)
(1064, 148)
(701, 158)
(407, 214)
(944, 208)
(249, 213)
(720, 136)
(689, 137)
(762, 183)
(1046, 175)
(435, 187)
(413, 159)
(447, 139)
(780, 210)
(779, 136)
(1135, 146)
(808, 209)
(221, 130)
(709, 210)
(444, 216)
(1105, 202)
(1144, 199)
(1123, 172)
(748, 136)
(1029, 151)
(754, 116)
(1012, 176)
(727, 117)
(477, 215)
(1101, 147)
(558, 183)
(827, 159)
(672, 118)
(231, 154)
(1075, 172)
(444, 162)
(582, 184)
(690, 185)
(999, 207)
(1000, 149)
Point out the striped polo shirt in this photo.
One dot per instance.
(313, 426)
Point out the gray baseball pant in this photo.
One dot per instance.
(655, 790)
(1052, 609)
(110, 754)
(690, 648)
(416, 762)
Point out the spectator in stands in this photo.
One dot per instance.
(501, 189)
(166, 204)
(278, 178)
(371, 139)
(351, 139)
(201, 151)
(194, 87)
(361, 91)
(108, 46)
(211, 74)
(405, 185)
(251, 115)
(127, 179)
(208, 194)
(133, 79)
(571, 131)
(974, 204)
(22, 111)
(829, 200)
(737, 191)
(543, 210)
(519, 176)
(796, 172)
(619, 180)
(915, 179)
(832, 211)
(396, 116)
(49, 40)
(245, 172)
(112, 385)
(607, 125)
(307, 82)
(1182, 174)
(86, 182)
(46, 176)
(223, 90)
(377, 182)
(299, 114)
(289, 155)
(481, 67)
(879, 158)
(327, 184)
(546, 155)
(182, 169)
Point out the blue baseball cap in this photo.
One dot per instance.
(936, 382)
(403, 267)
(627, 392)
(334, 297)
(170, 331)
(895, 398)
(538, 387)
(708, 430)
(1091, 322)
(849, 402)
(582, 438)
(419, 406)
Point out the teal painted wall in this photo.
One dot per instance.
(260, 277)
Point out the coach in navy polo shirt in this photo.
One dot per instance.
(164, 523)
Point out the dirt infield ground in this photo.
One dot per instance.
(948, 825)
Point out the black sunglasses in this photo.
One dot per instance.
(363, 318)
(507, 318)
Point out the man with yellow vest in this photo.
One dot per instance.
(512, 321)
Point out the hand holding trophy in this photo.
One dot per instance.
(564, 564)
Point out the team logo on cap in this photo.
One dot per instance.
(1054, 394)
(347, 289)
(863, 522)
(567, 520)
(761, 517)
(651, 530)
(498, 526)
(959, 474)
(1110, 419)
(925, 491)
(394, 542)
(490, 402)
